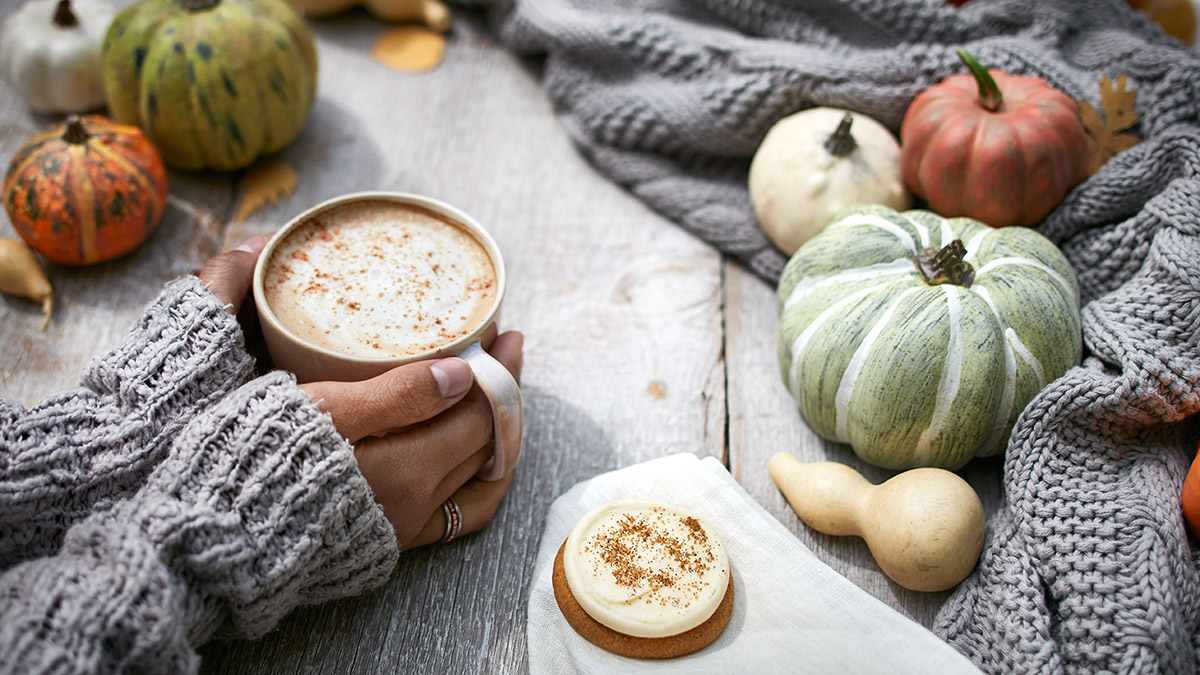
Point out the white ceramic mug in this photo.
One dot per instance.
(312, 362)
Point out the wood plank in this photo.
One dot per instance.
(763, 420)
(94, 306)
(632, 329)
(621, 311)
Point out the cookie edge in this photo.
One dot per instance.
(622, 644)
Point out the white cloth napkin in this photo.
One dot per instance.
(792, 613)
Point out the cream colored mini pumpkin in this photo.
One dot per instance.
(432, 13)
(50, 53)
(814, 163)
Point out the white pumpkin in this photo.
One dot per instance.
(50, 53)
(814, 163)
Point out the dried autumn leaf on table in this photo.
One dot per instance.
(264, 184)
(413, 49)
(1108, 130)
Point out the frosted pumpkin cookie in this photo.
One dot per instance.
(644, 579)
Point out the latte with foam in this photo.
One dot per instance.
(378, 278)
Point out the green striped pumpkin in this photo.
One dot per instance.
(911, 372)
(214, 84)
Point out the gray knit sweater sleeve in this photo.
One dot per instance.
(83, 449)
(258, 508)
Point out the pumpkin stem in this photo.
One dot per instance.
(989, 94)
(75, 133)
(945, 265)
(63, 16)
(198, 5)
(840, 143)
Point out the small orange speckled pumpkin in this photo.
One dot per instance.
(86, 191)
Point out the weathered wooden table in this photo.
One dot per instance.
(641, 341)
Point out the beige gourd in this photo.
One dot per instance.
(432, 13)
(924, 526)
(814, 163)
(21, 275)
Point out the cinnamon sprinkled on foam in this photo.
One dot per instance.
(362, 265)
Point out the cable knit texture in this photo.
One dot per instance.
(84, 449)
(259, 507)
(1088, 566)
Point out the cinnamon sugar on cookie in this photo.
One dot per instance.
(644, 579)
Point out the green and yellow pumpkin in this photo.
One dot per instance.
(213, 83)
(918, 340)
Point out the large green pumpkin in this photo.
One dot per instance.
(914, 372)
(214, 84)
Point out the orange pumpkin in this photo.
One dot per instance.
(1177, 17)
(1191, 496)
(999, 148)
(86, 191)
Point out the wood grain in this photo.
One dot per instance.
(620, 309)
(640, 340)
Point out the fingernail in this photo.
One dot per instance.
(453, 376)
(252, 245)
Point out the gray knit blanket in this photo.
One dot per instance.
(1088, 566)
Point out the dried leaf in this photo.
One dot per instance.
(1118, 103)
(1108, 130)
(657, 390)
(265, 184)
(1092, 119)
(413, 49)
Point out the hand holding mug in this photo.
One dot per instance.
(230, 274)
(363, 283)
(421, 434)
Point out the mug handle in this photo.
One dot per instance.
(507, 410)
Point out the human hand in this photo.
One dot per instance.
(230, 274)
(421, 433)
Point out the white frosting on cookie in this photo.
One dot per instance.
(647, 569)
